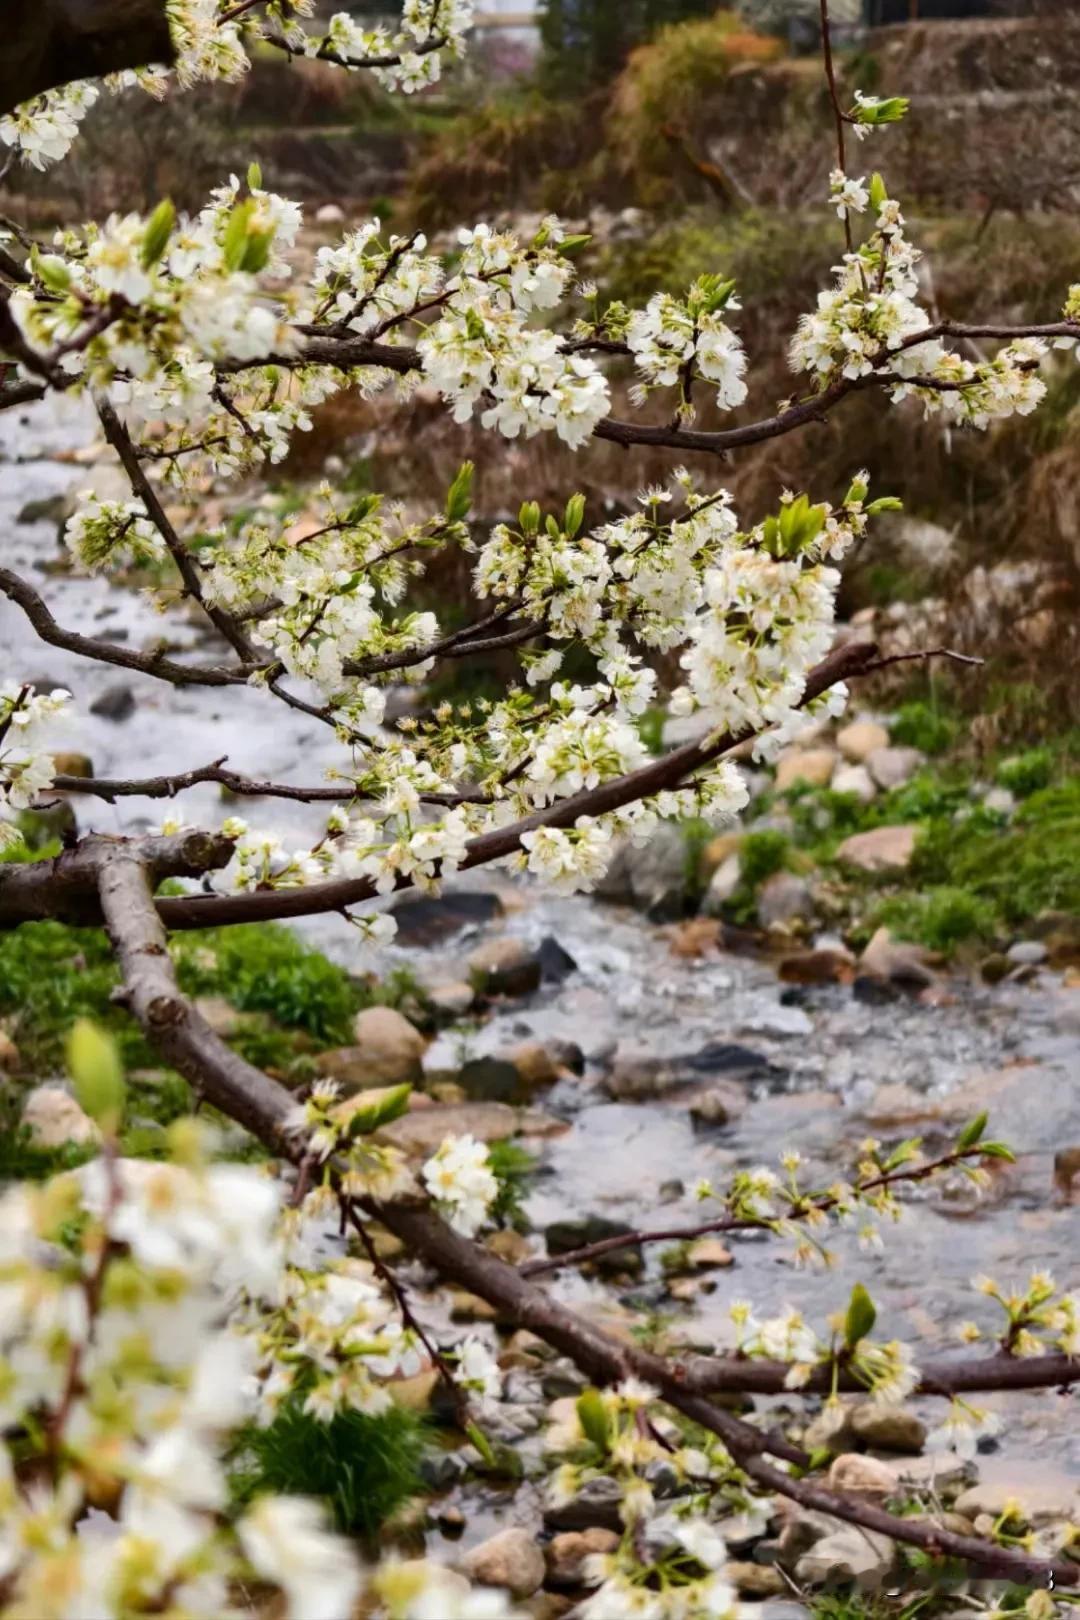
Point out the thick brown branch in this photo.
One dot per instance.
(51, 42)
(106, 652)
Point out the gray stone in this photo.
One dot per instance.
(652, 877)
(505, 967)
(597, 1503)
(115, 703)
(782, 899)
(856, 780)
(888, 1428)
(850, 1554)
(563, 1236)
(1027, 953)
(892, 767)
(1043, 1501)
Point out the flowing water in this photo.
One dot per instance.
(1014, 1049)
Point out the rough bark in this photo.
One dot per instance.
(52, 42)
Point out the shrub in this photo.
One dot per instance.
(923, 726)
(941, 918)
(364, 1467)
(1024, 774)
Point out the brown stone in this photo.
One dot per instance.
(811, 766)
(860, 738)
(818, 967)
(565, 1554)
(882, 849)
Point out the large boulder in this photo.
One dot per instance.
(805, 767)
(888, 1428)
(882, 849)
(510, 1560)
(388, 1052)
(505, 967)
(566, 1553)
(859, 739)
(429, 919)
(654, 877)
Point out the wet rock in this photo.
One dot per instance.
(536, 1065)
(892, 767)
(73, 764)
(728, 1057)
(453, 999)
(936, 1471)
(722, 886)
(865, 1476)
(863, 1557)
(888, 1428)
(652, 877)
(419, 1134)
(897, 1105)
(492, 1079)
(451, 1521)
(1066, 1170)
(830, 1430)
(709, 1254)
(1027, 953)
(830, 966)
(882, 849)
(567, 1054)
(1042, 1501)
(54, 1119)
(640, 1076)
(563, 1236)
(994, 968)
(595, 1505)
(440, 1470)
(505, 967)
(894, 961)
(856, 780)
(783, 899)
(755, 1580)
(566, 1553)
(388, 1053)
(115, 703)
(859, 739)
(46, 509)
(809, 766)
(718, 1104)
(556, 964)
(430, 919)
(9, 1053)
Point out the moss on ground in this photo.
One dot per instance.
(979, 876)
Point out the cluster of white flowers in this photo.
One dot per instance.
(42, 130)
(869, 323)
(25, 768)
(211, 45)
(111, 533)
(674, 339)
(460, 1179)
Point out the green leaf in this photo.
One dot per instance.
(94, 1065)
(878, 192)
(234, 241)
(570, 244)
(51, 270)
(903, 1152)
(861, 1316)
(593, 1417)
(575, 512)
(254, 177)
(972, 1132)
(482, 1443)
(370, 1109)
(529, 517)
(885, 503)
(159, 227)
(551, 526)
(459, 495)
(256, 252)
(997, 1150)
(474, 326)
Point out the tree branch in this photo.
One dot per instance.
(24, 596)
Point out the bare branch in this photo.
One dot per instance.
(24, 596)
